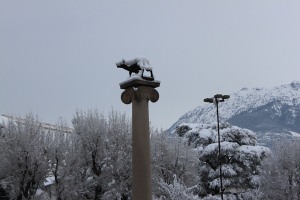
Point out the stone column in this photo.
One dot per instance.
(141, 158)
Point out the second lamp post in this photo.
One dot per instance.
(216, 99)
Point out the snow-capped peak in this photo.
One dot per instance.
(246, 99)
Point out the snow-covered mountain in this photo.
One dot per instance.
(270, 112)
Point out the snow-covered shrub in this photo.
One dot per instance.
(175, 191)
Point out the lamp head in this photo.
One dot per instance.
(225, 97)
(208, 100)
(218, 96)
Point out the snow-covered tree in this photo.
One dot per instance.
(281, 175)
(104, 155)
(91, 129)
(171, 157)
(119, 154)
(23, 158)
(240, 157)
(62, 161)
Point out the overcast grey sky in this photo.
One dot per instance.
(59, 56)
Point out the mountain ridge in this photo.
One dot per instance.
(275, 109)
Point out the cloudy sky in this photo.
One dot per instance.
(59, 56)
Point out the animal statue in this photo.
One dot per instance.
(137, 66)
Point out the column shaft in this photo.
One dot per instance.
(141, 154)
(141, 159)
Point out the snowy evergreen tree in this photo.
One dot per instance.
(240, 157)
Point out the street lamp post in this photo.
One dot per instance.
(216, 99)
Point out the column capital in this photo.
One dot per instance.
(139, 94)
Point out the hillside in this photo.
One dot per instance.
(270, 112)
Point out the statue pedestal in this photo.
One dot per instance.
(137, 81)
(139, 92)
